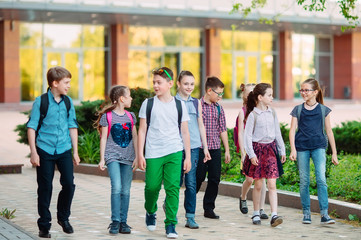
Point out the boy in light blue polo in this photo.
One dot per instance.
(52, 133)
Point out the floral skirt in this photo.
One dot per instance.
(269, 163)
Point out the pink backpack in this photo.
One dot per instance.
(109, 120)
(235, 131)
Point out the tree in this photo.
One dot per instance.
(346, 7)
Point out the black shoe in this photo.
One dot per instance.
(276, 220)
(44, 234)
(124, 228)
(67, 228)
(243, 206)
(210, 214)
(263, 214)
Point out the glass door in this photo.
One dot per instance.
(245, 70)
(70, 61)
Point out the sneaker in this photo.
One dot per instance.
(124, 228)
(243, 206)
(306, 219)
(327, 220)
(114, 227)
(256, 220)
(44, 233)
(170, 231)
(276, 220)
(151, 221)
(191, 223)
(263, 214)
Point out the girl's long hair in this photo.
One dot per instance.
(315, 86)
(115, 93)
(252, 99)
(243, 88)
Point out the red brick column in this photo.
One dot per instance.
(347, 65)
(213, 52)
(119, 54)
(285, 51)
(9, 62)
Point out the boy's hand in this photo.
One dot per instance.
(187, 166)
(227, 157)
(283, 159)
(76, 159)
(101, 165)
(207, 155)
(293, 155)
(34, 159)
(135, 164)
(334, 159)
(254, 161)
(141, 163)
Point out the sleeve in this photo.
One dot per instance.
(103, 120)
(279, 140)
(294, 112)
(248, 134)
(72, 122)
(134, 117)
(143, 109)
(328, 110)
(185, 116)
(222, 121)
(34, 115)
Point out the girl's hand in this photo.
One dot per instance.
(293, 155)
(207, 155)
(135, 164)
(283, 158)
(141, 163)
(254, 161)
(101, 165)
(334, 159)
(187, 166)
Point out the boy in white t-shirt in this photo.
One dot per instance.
(161, 135)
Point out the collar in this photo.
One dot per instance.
(259, 111)
(177, 96)
(51, 96)
(202, 101)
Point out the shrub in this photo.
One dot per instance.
(88, 146)
(348, 137)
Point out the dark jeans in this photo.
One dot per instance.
(213, 167)
(45, 175)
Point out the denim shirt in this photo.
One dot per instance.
(53, 136)
(193, 122)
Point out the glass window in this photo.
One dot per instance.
(172, 36)
(246, 41)
(61, 35)
(156, 37)
(138, 36)
(267, 74)
(324, 74)
(226, 74)
(31, 73)
(191, 37)
(226, 40)
(94, 74)
(324, 44)
(30, 35)
(72, 64)
(191, 62)
(93, 36)
(138, 69)
(266, 41)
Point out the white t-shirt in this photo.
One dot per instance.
(163, 137)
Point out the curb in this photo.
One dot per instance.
(285, 198)
(20, 229)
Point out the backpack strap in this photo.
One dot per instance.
(179, 110)
(109, 120)
(298, 111)
(130, 117)
(44, 105)
(195, 103)
(150, 103)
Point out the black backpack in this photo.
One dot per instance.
(44, 106)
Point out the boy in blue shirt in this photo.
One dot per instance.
(51, 140)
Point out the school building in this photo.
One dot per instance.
(107, 42)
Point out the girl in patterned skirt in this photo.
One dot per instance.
(263, 143)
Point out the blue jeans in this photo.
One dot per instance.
(319, 160)
(190, 181)
(120, 178)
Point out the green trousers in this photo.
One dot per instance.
(168, 170)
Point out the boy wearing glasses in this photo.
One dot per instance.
(215, 125)
(160, 127)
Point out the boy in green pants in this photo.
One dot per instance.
(163, 124)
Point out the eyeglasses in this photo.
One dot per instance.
(160, 71)
(219, 94)
(306, 90)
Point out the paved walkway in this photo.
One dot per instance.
(91, 206)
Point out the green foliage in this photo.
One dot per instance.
(345, 179)
(88, 146)
(85, 114)
(138, 95)
(353, 217)
(7, 213)
(22, 131)
(348, 137)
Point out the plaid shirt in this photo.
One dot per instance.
(214, 123)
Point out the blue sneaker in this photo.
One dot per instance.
(170, 231)
(327, 220)
(114, 227)
(151, 221)
(191, 223)
(306, 219)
